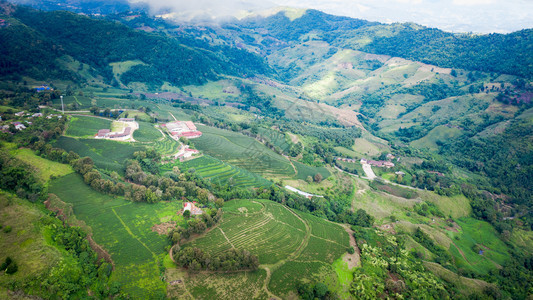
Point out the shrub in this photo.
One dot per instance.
(12, 268)
(350, 250)
(7, 229)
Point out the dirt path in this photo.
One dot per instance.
(353, 260)
(291, 257)
(293, 167)
(462, 253)
(173, 116)
(224, 234)
(100, 251)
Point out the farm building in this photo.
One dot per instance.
(43, 88)
(106, 133)
(127, 119)
(126, 132)
(191, 206)
(183, 129)
(19, 126)
(377, 163)
(102, 133)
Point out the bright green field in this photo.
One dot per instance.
(219, 172)
(474, 232)
(106, 154)
(276, 138)
(45, 168)
(123, 228)
(79, 126)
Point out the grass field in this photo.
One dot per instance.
(291, 246)
(242, 151)
(86, 127)
(437, 134)
(141, 116)
(305, 170)
(123, 228)
(26, 244)
(474, 232)
(74, 102)
(219, 172)
(106, 154)
(352, 166)
(45, 168)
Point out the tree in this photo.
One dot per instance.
(318, 177)
(187, 214)
(309, 179)
(94, 110)
(320, 290)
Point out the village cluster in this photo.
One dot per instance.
(376, 163)
(23, 120)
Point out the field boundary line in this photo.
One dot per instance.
(133, 235)
(327, 240)
(224, 234)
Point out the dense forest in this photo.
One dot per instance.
(99, 43)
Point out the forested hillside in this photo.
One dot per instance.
(98, 43)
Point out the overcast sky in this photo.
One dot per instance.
(452, 15)
(479, 16)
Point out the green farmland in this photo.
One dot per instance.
(123, 229)
(106, 154)
(247, 153)
(147, 133)
(86, 127)
(218, 171)
(290, 245)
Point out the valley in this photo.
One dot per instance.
(331, 158)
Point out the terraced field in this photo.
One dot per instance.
(242, 151)
(167, 146)
(219, 172)
(106, 154)
(290, 246)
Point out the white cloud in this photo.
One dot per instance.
(481, 16)
(472, 2)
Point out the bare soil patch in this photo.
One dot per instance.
(353, 260)
(164, 228)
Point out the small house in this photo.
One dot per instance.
(191, 206)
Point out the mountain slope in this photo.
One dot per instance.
(99, 43)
